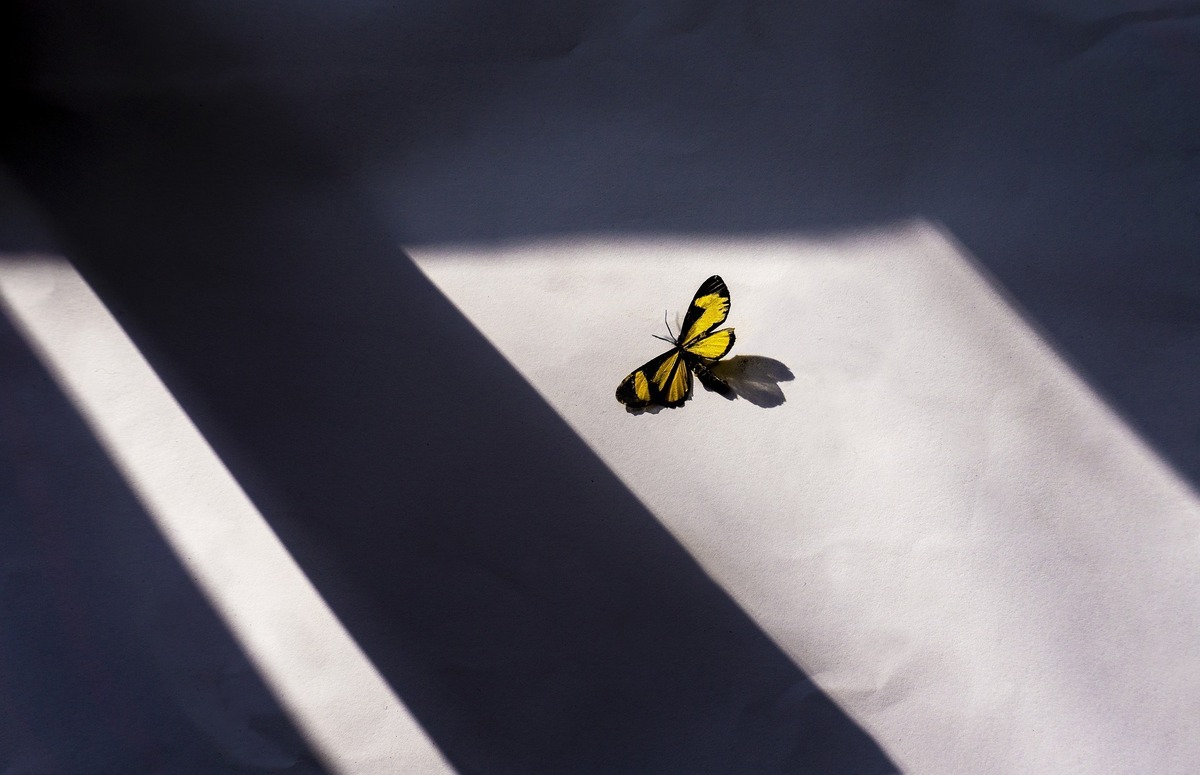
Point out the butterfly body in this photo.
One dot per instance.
(667, 379)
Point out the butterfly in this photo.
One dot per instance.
(667, 380)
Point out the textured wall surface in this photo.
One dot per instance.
(391, 261)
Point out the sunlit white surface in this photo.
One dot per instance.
(943, 524)
(337, 699)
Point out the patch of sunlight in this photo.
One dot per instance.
(942, 523)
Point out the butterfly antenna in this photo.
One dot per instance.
(668, 325)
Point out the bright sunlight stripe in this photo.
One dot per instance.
(332, 692)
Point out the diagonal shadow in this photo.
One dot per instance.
(110, 659)
(527, 608)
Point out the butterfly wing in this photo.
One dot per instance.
(635, 391)
(673, 381)
(709, 308)
(664, 380)
(705, 345)
(712, 346)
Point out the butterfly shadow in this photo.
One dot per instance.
(754, 378)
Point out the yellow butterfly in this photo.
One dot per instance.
(667, 380)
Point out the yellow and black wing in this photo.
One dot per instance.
(664, 380)
(700, 343)
(711, 347)
(709, 308)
